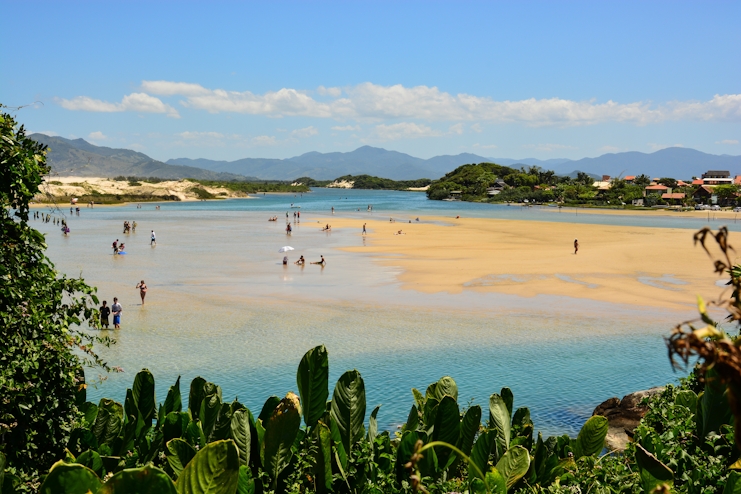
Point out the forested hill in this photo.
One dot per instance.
(77, 157)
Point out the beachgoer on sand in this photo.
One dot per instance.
(142, 290)
(153, 241)
(322, 262)
(576, 246)
(364, 232)
(285, 260)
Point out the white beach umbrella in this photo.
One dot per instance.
(286, 248)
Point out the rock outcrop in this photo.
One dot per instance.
(623, 416)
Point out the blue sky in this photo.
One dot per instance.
(227, 80)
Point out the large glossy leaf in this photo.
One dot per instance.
(496, 482)
(419, 398)
(323, 467)
(348, 408)
(246, 484)
(427, 464)
(196, 396)
(713, 404)
(144, 398)
(90, 412)
(209, 413)
(412, 419)
(213, 470)
(513, 465)
(144, 480)
(224, 421)
(280, 432)
(687, 398)
(653, 473)
(447, 427)
(499, 420)
(312, 380)
(241, 433)
(70, 479)
(194, 434)
(179, 453)
(480, 453)
(469, 427)
(90, 459)
(733, 483)
(373, 424)
(591, 438)
(173, 402)
(339, 450)
(509, 399)
(446, 386)
(268, 408)
(176, 423)
(108, 422)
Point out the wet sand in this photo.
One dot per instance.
(656, 267)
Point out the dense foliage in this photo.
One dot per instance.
(253, 187)
(41, 376)
(367, 182)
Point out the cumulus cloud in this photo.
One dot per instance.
(349, 128)
(264, 141)
(609, 149)
(305, 132)
(377, 103)
(477, 128)
(200, 135)
(329, 91)
(727, 141)
(403, 130)
(97, 136)
(136, 102)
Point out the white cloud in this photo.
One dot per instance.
(373, 102)
(456, 129)
(353, 128)
(403, 130)
(727, 141)
(329, 91)
(305, 132)
(609, 149)
(485, 146)
(264, 141)
(477, 128)
(136, 102)
(200, 135)
(97, 136)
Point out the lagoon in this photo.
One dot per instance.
(222, 306)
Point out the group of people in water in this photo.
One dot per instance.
(129, 227)
(301, 261)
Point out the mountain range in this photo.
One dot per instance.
(79, 157)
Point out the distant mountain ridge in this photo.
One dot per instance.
(77, 157)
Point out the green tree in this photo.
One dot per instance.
(43, 349)
(726, 193)
(642, 180)
(668, 182)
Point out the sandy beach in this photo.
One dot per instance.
(656, 267)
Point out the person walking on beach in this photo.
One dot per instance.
(154, 239)
(364, 232)
(288, 229)
(576, 246)
(142, 290)
(105, 311)
(115, 247)
(133, 226)
(116, 309)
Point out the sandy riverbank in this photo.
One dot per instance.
(657, 267)
(724, 215)
(183, 190)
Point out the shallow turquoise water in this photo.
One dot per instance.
(221, 306)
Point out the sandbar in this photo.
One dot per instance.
(656, 267)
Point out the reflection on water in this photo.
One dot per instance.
(221, 305)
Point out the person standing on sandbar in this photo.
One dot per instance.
(116, 310)
(576, 246)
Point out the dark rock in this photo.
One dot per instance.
(624, 415)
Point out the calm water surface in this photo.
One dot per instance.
(222, 306)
